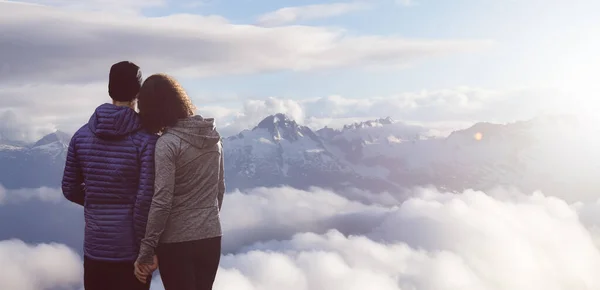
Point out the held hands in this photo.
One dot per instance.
(143, 271)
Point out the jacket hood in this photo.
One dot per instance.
(197, 131)
(109, 121)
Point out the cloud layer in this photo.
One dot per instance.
(256, 215)
(52, 40)
(12, 196)
(285, 238)
(431, 241)
(38, 267)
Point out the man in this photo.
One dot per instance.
(110, 171)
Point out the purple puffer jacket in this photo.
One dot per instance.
(110, 171)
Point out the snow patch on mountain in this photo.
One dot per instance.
(34, 165)
(56, 137)
(278, 145)
(4, 147)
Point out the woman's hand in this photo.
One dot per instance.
(143, 271)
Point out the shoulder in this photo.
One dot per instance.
(168, 144)
(82, 132)
(144, 138)
(169, 140)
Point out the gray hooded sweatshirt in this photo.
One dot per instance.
(188, 188)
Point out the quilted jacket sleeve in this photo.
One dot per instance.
(145, 189)
(72, 182)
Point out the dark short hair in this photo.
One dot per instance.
(124, 81)
(162, 102)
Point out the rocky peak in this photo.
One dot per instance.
(370, 123)
(58, 136)
(282, 127)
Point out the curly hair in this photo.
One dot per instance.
(162, 102)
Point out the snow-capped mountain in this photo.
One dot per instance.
(553, 154)
(352, 139)
(280, 152)
(33, 165)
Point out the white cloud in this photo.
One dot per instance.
(52, 40)
(8, 196)
(434, 241)
(254, 111)
(16, 127)
(32, 110)
(257, 215)
(461, 103)
(431, 241)
(221, 114)
(282, 238)
(300, 13)
(38, 267)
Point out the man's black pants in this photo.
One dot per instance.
(189, 265)
(101, 275)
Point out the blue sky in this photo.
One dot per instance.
(322, 62)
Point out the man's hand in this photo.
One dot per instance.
(143, 271)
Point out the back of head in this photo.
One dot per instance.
(162, 102)
(124, 81)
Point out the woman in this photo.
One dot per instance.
(184, 228)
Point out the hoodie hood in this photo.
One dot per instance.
(197, 131)
(110, 121)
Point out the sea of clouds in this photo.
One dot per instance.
(283, 238)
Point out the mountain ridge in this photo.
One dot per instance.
(277, 118)
(382, 155)
(34, 164)
(56, 136)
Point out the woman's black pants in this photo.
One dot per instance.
(189, 265)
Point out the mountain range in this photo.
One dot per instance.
(551, 154)
(33, 165)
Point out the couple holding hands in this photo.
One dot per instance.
(151, 183)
